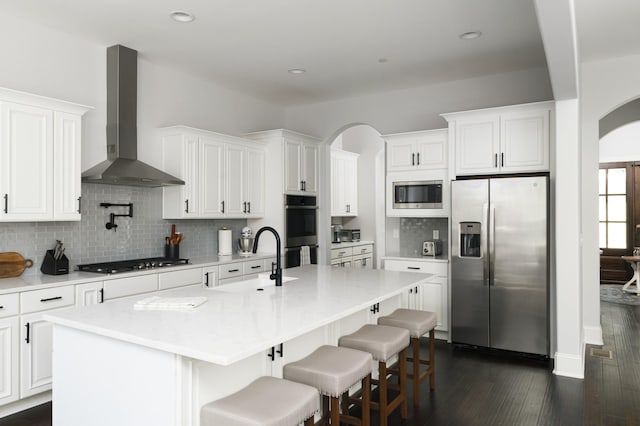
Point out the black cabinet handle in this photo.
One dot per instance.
(79, 204)
(49, 299)
(28, 329)
(272, 354)
(413, 267)
(101, 291)
(222, 203)
(1, 307)
(6, 203)
(416, 289)
(495, 160)
(502, 159)
(244, 207)
(256, 267)
(410, 290)
(375, 308)
(233, 270)
(281, 350)
(186, 206)
(418, 155)
(413, 159)
(206, 279)
(248, 206)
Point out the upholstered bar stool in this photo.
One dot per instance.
(267, 401)
(383, 342)
(333, 370)
(418, 323)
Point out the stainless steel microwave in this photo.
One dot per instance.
(425, 194)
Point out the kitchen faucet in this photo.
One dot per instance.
(277, 274)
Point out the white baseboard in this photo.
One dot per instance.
(24, 404)
(593, 336)
(569, 365)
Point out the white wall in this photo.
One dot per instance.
(419, 108)
(622, 144)
(51, 63)
(605, 85)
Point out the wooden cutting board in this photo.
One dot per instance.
(12, 264)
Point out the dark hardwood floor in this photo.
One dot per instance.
(474, 388)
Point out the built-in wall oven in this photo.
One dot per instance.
(301, 221)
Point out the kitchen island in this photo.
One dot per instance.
(116, 365)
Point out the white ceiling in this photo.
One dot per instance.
(608, 28)
(249, 45)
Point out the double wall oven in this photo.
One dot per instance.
(301, 223)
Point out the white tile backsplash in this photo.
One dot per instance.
(89, 241)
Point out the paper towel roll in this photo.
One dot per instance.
(224, 242)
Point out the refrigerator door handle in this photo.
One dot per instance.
(484, 248)
(492, 243)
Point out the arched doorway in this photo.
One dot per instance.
(367, 143)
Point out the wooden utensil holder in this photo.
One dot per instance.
(51, 266)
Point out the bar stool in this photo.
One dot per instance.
(266, 401)
(333, 370)
(418, 323)
(382, 342)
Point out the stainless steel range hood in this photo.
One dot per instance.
(122, 166)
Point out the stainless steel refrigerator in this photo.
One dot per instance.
(500, 263)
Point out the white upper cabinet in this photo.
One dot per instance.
(224, 175)
(344, 183)
(300, 164)
(424, 150)
(40, 142)
(512, 139)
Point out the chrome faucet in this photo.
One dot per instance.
(277, 274)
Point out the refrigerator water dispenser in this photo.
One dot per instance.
(469, 239)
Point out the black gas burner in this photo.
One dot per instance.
(131, 265)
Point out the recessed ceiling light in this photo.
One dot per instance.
(181, 16)
(470, 35)
(383, 60)
(297, 71)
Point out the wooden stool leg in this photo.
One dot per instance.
(335, 411)
(325, 410)
(416, 371)
(366, 400)
(309, 421)
(382, 387)
(403, 382)
(432, 359)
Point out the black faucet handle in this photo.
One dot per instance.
(274, 266)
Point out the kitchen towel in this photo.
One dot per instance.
(305, 255)
(224, 242)
(157, 303)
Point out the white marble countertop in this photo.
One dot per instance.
(238, 321)
(28, 282)
(351, 244)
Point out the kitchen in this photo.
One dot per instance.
(169, 96)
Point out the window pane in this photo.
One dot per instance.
(617, 181)
(603, 208)
(603, 235)
(617, 235)
(602, 181)
(617, 208)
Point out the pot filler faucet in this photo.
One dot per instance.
(277, 274)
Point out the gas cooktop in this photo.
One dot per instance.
(131, 265)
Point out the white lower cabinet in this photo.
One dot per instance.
(429, 296)
(210, 276)
(358, 256)
(9, 361)
(36, 349)
(90, 293)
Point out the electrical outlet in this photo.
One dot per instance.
(436, 234)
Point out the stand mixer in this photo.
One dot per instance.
(245, 242)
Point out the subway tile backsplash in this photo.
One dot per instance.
(88, 241)
(414, 231)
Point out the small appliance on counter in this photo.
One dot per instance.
(335, 233)
(432, 248)
(224, 242)
(245, 242)
(349, 235)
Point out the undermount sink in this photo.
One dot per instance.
(255, 284)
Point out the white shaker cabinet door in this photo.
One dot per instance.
(292, 166)
(26, 157)
(255, 183)
(36, 348)
(525, 141)
(211, 177)
(310, 168)
(400, 155)
(236, 198)
(89, 294)
(477, 145)
(9, 361)
(432, 297)
(67, 171)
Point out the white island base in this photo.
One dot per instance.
(113, 365)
